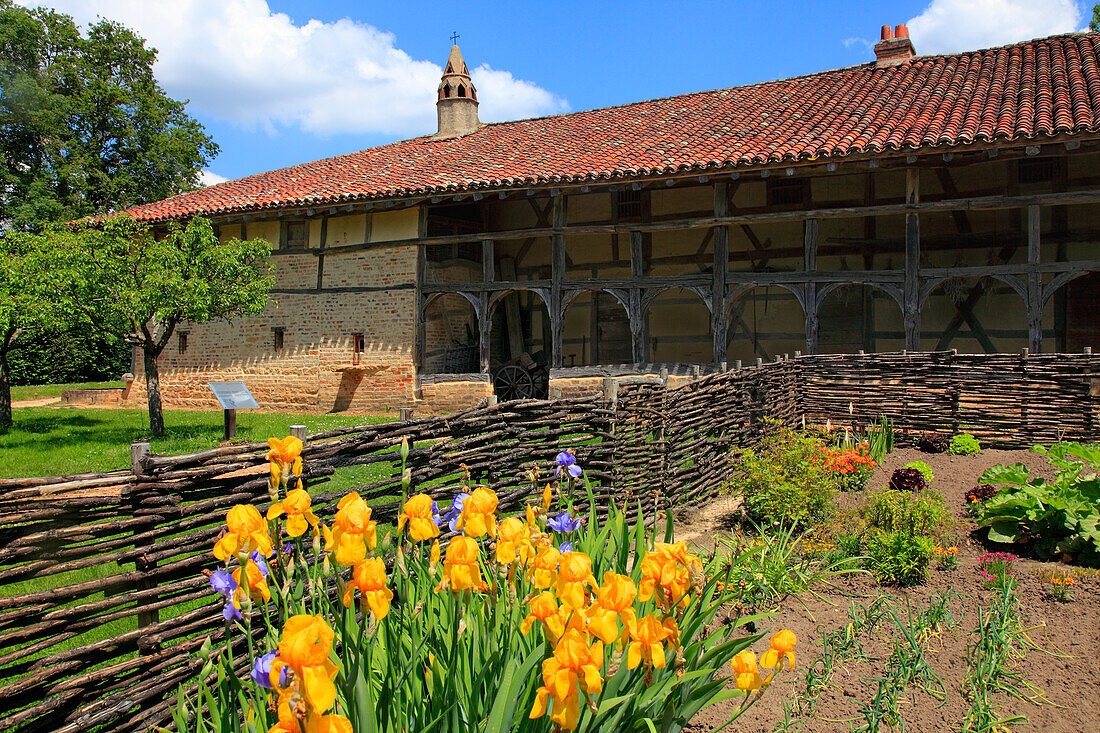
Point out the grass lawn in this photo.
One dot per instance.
(42, 391)
(48, 441)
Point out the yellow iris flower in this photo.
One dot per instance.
(614, 599)
(353, 532)
(669, 567)
(647, 637)
(544, 570)
(305, 648)
(478, 514)
(418, 513)
(253, 582)
(514, 540)
(247, 532)
(299, 514)
(544, 608)
(782, 646)
(574, 663)
(285, 454)
(369, 577)
(574, 575)
(745, 673)
(460, 568)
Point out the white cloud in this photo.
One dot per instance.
(209, 178)
(947, 26)
(237, 60)
(849, 42)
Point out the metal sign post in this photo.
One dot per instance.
(232, 396)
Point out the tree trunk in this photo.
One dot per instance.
(5, 391)
(152, 386)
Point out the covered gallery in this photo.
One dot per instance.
(913, 202)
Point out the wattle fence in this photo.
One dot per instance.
(102, 600)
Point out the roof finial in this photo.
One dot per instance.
(454, 38)
(456, 100)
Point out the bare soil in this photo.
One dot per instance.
(1067, 673)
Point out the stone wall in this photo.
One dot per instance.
(453, 395)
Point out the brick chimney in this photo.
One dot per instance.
(895, 48)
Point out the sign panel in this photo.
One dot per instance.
(233, 395)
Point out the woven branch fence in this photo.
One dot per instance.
(123, 551)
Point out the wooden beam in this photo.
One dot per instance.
(557, 276)
(1034, 281)
(321, 253)
(719, 319)
(809, 241)
(484, 319)
(421, 338)
(911, 309)
(962, 221)
(635, 314)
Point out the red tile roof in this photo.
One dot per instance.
(1027, 91)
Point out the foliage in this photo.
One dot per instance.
(907, 479)
(128, 281)
(932, 443)
(517, 636)
(981, 492)
(70, 355)
(924, 469)
(880, 438)
(1057, 517)
(87, 128)
(28, 304)
(996, 568)
(921, 513)
(782, 479)
(1094, 24)
(771, 567)
(947, 557)
(899, 558)
(964, 444)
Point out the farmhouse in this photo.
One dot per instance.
(911, 202)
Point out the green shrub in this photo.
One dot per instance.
(924, 468)
(782, 479)
(920, 513)
(1060, 516)
(964, 444)
(899, 558)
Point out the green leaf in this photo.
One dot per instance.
(1004, 531)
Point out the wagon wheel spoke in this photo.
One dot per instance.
(514, 383)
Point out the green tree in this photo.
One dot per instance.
(1094, 25)
(127, 280)
(30, 301)
(84, 126)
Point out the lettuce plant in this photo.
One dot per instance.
(932, 443)
(964, 444)
(1060, 516)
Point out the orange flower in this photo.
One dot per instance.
(745, 673)
(285, 454)
(369, 576)
(299, 514)
(305, 648)
(544, 608)
(782, 646)
(669, 567)
(478, 514)
(254, 582)
(247, 532)
(353, 531)
(547, 496)
(419, 513)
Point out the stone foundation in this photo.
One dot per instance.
(439, 396)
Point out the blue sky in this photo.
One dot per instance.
(281, 82)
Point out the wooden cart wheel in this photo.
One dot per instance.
(514, 383)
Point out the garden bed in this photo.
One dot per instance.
(1066, 673)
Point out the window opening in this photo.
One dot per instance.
(183, 341)
(277, 338)
(630, 205)
(786, 192)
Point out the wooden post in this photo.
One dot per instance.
(484, 320)
(139, 452)
(299, 432)
(1034, 281)
(557, 276)
(421, 337)
(230, 423)
(637, 317)
(719, 323)
(911, 312)
(405, 414)
(491, 400)
(611, 391)
(809, 254)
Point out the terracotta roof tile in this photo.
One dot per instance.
(1027, 91)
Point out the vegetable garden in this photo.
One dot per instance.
(770, 546)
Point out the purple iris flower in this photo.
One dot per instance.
(564, 523)
(288, 548)
(455, 512)
(566, 546)
(222, 582)
(261, 672)
(257, 558)
(435, 514)
(231, 612)
(568, 462)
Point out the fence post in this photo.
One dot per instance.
(491, 400)
(695, 371)
(664, 375)
(405, 414)
(138, 453)
(299, 432)
(611, 391)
